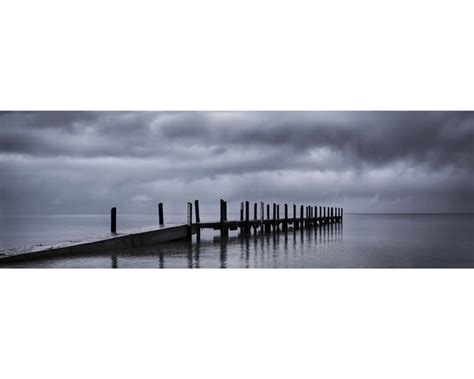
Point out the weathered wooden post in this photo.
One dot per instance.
(301, 216)
(332, 215)
(198, 219)
(342, 214)
(320, 215)
(190, 221)
(241, 216)
(315, 216)
(161, 219)
(262, 216)
(223, 219)
(247, 217)
(278, 216)
(113, 220)
(285, 225)
(295, 223)
(274, 216)
(196, 211)
(268, 226)
(255, 217)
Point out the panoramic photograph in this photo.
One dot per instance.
(236, 189)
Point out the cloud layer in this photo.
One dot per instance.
(85, 162)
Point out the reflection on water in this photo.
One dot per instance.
(253, 250)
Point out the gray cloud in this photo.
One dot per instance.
(367, 161)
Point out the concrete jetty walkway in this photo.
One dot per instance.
(127, 240)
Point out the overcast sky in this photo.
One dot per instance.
(86, 162)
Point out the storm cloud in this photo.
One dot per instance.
(86, 162)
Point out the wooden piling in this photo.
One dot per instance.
(268, 226)
(302, 216)
(190, 221)
(295, 223)
(285, 225)
(278, 217)
(255, 216)
(113, 220)
(223, 219)
(274, 216)
(241, 216)
(198, 218)
(262, 216)
(247, 217)
(196, 211)
(161, 219)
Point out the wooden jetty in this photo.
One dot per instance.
(308, 217)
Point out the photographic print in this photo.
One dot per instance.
(237, 189)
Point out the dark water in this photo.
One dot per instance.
(387, 240)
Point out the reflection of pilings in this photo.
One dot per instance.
(190, 258)
(161, 259)
(114, 261)
(197, 255)
(255, 245)
(223, 253)
(247, 251)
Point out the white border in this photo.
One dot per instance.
(237, 55)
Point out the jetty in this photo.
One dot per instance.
(266, 218)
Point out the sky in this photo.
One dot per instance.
(86, 162)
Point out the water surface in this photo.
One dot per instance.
(363, 240)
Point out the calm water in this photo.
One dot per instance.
(362, 241)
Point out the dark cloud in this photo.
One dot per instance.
(368, 161)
